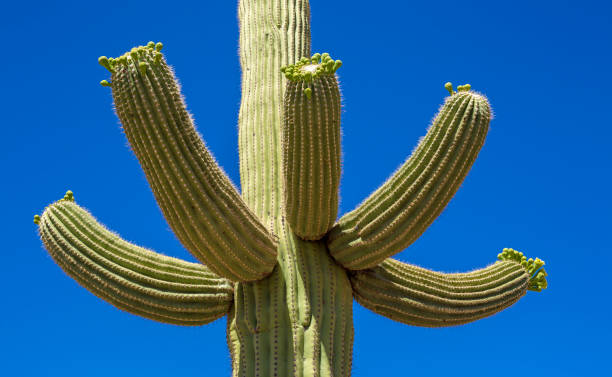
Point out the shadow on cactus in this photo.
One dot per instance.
(274, 258)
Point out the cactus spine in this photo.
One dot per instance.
(273, 258)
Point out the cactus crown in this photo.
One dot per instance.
(68, 197)
(138, 56)
(461, 88)
(308, 69)
(537, 282)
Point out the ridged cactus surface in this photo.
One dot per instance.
(274, 258)
(132, 278)
(311, 145)
(398, 212)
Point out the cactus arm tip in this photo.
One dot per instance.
(68, 196)
(537, 281)
(136, 55)
(461, 88)
(307, 69)
(133, 55)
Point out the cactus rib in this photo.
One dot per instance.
(129, 277)
(208, 214)
(420, 297)
(396, 214)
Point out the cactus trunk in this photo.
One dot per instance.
(298, 321)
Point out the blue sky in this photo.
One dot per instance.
(541, 184)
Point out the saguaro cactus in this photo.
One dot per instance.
(274, 260)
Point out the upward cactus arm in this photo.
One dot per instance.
(311, 145)
(199, 202)
(398, 212)
(129, 277)
(420, 297)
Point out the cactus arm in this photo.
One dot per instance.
(311, 145)
(420, 297)
(200, 203)
(130, 277)
(396, 214)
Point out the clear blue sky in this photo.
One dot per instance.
(541, 184)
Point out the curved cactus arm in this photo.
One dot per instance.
(311, 145)
(396, 214)
(130, 277)
(200, 203)
(420, 297)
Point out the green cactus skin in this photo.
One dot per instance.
(311, 146)
(420, 297)
(201, 205)
(398, 212)
(270, 260)
(130, 277)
